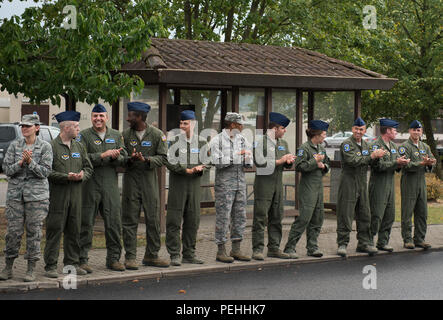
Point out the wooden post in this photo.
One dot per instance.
(268, 107)
(224, 107)
(116, 115)
(357, 104)
(177, 96)
(235, 99)
(310, 105)
(161, 172)
(298, 135)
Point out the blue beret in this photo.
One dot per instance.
(318, 125)
(388, 123)
(187, 115)
(99, 108)
(415, 124)
(138, 106)
(278, 118)
(359, 122)
(68, 116)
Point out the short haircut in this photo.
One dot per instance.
(273, 125)
(312, 132)
(143, 115)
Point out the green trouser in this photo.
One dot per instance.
(187, 211)
(132, 204)
(353, 200)
(413, 202)
(108, 203)
(382, 202)
(67, 222)
(270, 213)
(310, 219)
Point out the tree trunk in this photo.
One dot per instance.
(229, 24)
(188, 19)
(427, 126)
(70, 102)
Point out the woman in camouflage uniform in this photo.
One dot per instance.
(27, 165)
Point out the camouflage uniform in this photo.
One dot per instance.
(26, 206)
(230, 185)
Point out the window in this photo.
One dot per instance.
(7, 134)
(44, 134)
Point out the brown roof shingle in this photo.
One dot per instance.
(193, 56)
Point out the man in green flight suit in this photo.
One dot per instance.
(147, 150)
(185, 156)
(413, 187)
(271, 156)
(100, 193)
(381, 184)
(353, 197)
(70, 168)
(313, 163)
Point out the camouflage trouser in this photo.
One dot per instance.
(19, 215)
(230, 211)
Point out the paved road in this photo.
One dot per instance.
(398, 276)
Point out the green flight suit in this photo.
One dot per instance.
(184, 194)
(65, 203)
(268, 192)
(310, 195)
(353, 197)
(140, 190)
(413, 191)
(382, 191)
(101, 193)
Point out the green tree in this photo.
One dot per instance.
(44, 59)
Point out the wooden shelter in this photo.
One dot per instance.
(227, 67)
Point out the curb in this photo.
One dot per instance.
(192, 271)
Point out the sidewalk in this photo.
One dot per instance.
(206, 250)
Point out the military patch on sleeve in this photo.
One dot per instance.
(401, 150)
(300, 152)
(163, 138)
(346, 147)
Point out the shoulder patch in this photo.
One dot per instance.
(300, 152)
(163, 137)
(346, 147)
(79, 137)
(374, 147)
(402, 150)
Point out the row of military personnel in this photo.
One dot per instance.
(74, 177)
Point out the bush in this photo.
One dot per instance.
(434, 188)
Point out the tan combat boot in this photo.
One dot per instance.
(7, 271)
(236, 252)
(30, 276)
(222, 256)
